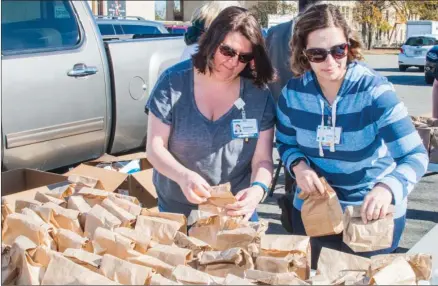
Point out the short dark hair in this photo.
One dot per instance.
(235, 19)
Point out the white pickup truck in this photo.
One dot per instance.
(67, 95)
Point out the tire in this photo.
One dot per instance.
(429, 79)
(402, 68)
(421, 69)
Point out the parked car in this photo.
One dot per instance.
(68, 96)
(177, 29)
(413, 52)
(431, 65)
(116, 26)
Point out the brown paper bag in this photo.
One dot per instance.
(171, 255)
(47, 214)
(158, 279)
(99, 217)
(221, 195)
(131, 199)
(9, 270)
(322, 214)
(288, 278)
(179, 218)
(33, 215)
(42, 255)
(420, 263)
(93, 196)
(63, 271)
(26, 203)
(192, 243)
(159, 266)
(29, 272)
(141, 240)
(296, 263)
(351, 278)
(205, 226)
(231, 279)
(124, 272)
(226, 222)
(187, 275)
(84, 258)
(398, 272)
(220, 263)
(65, 218)
(44, 198)
(360, 237)
(60, 192)
(296, 246)
(108, 242)
(344, 262)
(125, 204)
(78, 203)
(319, 279)
(6, 209)
(127, 219)
(65, 238)
(17, 224)
(239, 237)
(77, 182)
(160, 230)
(428, 130)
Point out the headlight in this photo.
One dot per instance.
(431, 55)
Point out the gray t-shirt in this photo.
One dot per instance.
(201, 145)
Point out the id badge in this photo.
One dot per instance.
(326, 136)
(244, 128)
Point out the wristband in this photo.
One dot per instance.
(260, 184)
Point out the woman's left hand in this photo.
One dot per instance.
(376, 203)
(247, 201)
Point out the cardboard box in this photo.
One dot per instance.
(138, 184)
(24, 183)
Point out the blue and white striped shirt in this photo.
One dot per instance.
(378, 141)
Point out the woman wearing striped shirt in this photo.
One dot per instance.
(376, 156)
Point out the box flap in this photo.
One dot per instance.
(111, 180)
(20, 180)
(144, 178)
(134, 156)
(105, 158)
(30, 194)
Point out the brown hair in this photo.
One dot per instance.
(315, 17)
(235, 19)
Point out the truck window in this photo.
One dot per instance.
(136, 29)
(38, 26)
(106, 29)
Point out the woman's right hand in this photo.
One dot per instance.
(307, 179)
(194, 187)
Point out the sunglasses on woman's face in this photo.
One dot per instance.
(230, 52)
(317, 55)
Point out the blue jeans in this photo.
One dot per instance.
(335, 241)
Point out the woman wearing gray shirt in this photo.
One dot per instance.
(193, 139)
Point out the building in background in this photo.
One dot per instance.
(145, 9)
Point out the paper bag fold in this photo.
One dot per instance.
(360, 237)
(149, 261)
(99, 217)
(160, 230)
(171, 255)
(127, 219)
(84, 258)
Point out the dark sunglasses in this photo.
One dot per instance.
(230, 52)
(318, 55)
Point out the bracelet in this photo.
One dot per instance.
(260, 184)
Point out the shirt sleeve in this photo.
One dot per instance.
(160, 100)
(286, 135)
(404, 144)
(269, 118)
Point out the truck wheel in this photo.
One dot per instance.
(421, 68)
(402, 68)
(429, 79)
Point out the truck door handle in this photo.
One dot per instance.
(80, 70)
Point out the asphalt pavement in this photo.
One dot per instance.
(422, 212)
